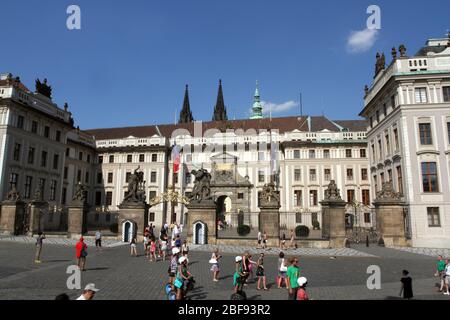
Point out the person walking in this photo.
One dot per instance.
(301, 292)
(178, 241)
(98, 240)
(440, 272)
(89, 292)
(406, 289)
(259, 240)
(446, 278)
(292, 242)
(182, 278)
(164, 247)
(81, 254)
(185, 249)
(292, 275)
(145, 243)
(283, 241)
(173, 265)
(260, 272)
(282, 269)
(264, 240)
(152, 249)
(133, 250)
(249, 263)
(215, 264)
(240, 275)
(39, 243)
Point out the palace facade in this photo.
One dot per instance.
(404, 139)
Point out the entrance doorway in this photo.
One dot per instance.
(223, 212)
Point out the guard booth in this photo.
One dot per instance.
(200, 235)
(128, 230)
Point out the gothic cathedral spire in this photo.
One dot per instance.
(220, 111)
(186, 114)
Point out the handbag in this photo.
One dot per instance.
(84, 253)
(178, 283)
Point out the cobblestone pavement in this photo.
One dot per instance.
(342, 252)
(120, 276)
(426, 251)
(61, 241)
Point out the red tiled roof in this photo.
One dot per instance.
(284, 124)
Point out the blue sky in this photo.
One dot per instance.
(130, 61)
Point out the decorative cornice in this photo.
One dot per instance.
(428, 151)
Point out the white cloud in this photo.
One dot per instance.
(278, 107)
(361, 41)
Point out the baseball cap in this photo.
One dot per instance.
(175, 250)
(302, 281)
(91, 287)
(238, 258)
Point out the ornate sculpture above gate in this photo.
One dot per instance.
(332, 192)
(136, 187)
(269, 196)
(387, 193)
(80, 193)
(13, 194)
(202, 186)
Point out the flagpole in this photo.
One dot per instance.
(173, 217)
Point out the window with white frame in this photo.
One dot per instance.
(421, 95)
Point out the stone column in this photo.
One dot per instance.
(269, 216)
(333, 217)
(35, 222)
(77, 219)
(390, 217)
(12, 217)
(205, 212)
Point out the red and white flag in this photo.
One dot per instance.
(176, 158)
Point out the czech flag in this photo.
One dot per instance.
(176, 158)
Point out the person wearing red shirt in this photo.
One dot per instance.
(81, 253)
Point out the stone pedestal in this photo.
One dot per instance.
(136, 213)
(333, 222)
(12, 218)
(390, 217)
(35, 222)
(201, 216)
(391, 223)
(269, 222)
(77, 219)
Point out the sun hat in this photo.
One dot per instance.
(238, 259)
(302, 281)
(91, 287)
(181, 260)
(175, 250)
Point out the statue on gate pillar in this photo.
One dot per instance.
(269, 196)
(333, 192)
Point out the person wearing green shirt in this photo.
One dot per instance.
(441, 271)
(292, 275)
